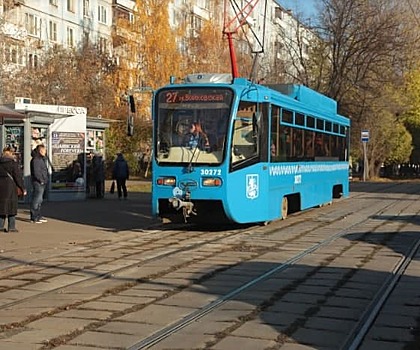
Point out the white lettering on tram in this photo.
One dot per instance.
(292, 169)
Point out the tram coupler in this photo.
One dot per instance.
(187, 207)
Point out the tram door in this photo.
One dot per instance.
(248, 185)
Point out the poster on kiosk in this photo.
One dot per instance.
(67, 154)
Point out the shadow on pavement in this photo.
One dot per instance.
(109, 213)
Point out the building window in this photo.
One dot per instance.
(6, 55)
(70, 5)
(197, 23)
(14, 55)
(278, 13)
(32, 24)
(53, 2)
(32, 60)
(52, 30)
(70, 37)
(86, 8)
(102, 14)
(7, 6)
(205, 4)
(102, 44)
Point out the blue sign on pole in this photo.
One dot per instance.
(365, 135)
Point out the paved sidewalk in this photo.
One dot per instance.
(74, 222)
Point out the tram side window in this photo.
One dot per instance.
(287, 116)
(299, 119)
(310, 122)
(275, 135)
(285, 143)
(297, 149)
(342, 147)
(246, 132)
(291, 144)
(322, 145)
(309, 145)
(319, 145)
(338, 147)
(327, 145)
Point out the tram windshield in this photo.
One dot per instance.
(192, 125)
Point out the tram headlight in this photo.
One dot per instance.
(212, 182)
(166, 181)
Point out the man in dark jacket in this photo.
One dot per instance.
(39, 177)
(121, 174)
(10, 178)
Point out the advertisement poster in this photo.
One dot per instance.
(67, 157)
(39, 136)
(95, 141)
(14, 139)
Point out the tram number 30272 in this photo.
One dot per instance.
(211, 172)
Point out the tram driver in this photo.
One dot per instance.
(196, 138)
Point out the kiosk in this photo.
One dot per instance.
(69, 136)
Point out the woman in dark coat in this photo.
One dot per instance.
(10, 179)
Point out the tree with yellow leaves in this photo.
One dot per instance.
(147, 46)
(147, 52)
(207, 52)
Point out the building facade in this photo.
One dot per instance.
(33, 26)
(30, 27)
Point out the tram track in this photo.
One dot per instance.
(194, 316)
(102, 244)
(358, 333)
(86, 246)
(96, 276)
(248, 233)
(8, 272)
(107, 274)
(209, 308)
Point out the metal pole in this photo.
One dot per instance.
(365, 162)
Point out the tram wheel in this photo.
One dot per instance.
(284, 208)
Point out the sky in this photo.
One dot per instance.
(305, 7)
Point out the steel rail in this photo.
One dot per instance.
(356, 336)
(195, 315)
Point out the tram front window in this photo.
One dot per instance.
(192, 125)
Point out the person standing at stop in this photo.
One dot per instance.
(121, 173)
(39, 177)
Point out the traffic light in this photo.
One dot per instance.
(130, 117)
(132, 104)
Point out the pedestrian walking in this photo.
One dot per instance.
(121, 173)
(39, 178)
(10, 181)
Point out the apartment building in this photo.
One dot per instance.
(31, 26)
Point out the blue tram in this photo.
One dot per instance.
(231, 150)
